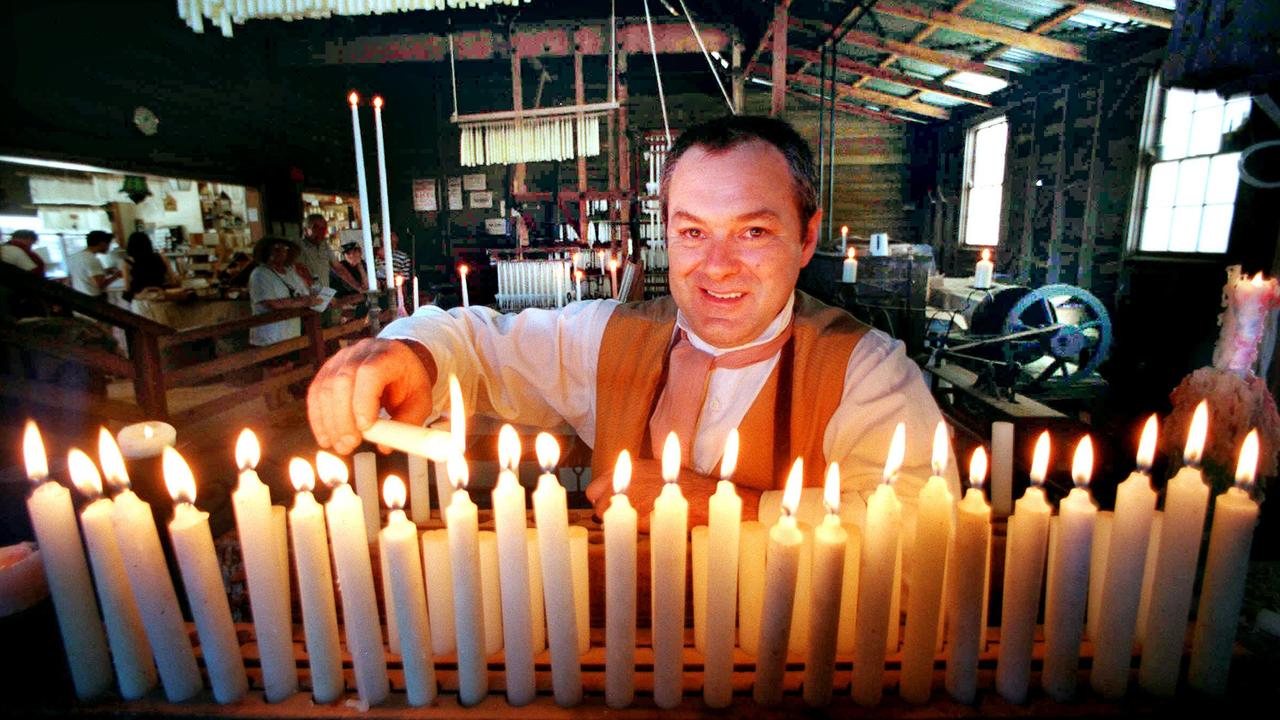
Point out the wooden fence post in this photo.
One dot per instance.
(148, 379)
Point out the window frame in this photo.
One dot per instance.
(970, 142)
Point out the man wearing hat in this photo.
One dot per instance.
(85, 269)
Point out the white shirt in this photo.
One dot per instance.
(82, 268)
(14, 255)
(317, 258)
(267, 284)
(539, 368)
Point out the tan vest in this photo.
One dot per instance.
(802, 392)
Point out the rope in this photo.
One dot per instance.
(653, 50)
(715, 73)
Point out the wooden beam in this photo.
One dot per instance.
(850, 109)
(979, 28)
(764, 43)
(920, 36)
(778, 99)
(871, 71)
(517, 104)
(1141, 12)
(877, 98)
(580, 96)
(933, 57)
(739, 78)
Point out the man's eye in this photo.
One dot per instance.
(692, 233)
(757, 233)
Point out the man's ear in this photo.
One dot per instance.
(810, 238)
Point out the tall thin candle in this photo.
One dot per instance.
(966, 588)
(315, 585)
(723, 541)
(1068, 593)
(829, 546)
(382, 196)
(366, 233)
(550, 508)
(509, 524)
(464, 560)
(620, 590)
(399, 541)
(668, 541)
(782, 561)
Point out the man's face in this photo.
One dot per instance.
(735, 240)
(318, 229)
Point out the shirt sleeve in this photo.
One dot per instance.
(15, 256)
(537, 367)
(261, 288)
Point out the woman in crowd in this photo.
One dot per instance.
(275, 285)
(143, 266)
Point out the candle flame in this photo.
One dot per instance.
(844, 229)
(547, 450)
(986, 255)
(248, 452)
(853, 253)
(84, 474)
(456, 466)
(457, 414)
(393, 492)
(33, 453)
(831, 489)
(613, 264)
(1257, 280)
(1247, 467)
(112, 461)
(1040, 460)
(1147, 445)
(377, 101)
(508, 448)
(622, 473)
(399, 281)
(579, 274)
(791, 491)
(148, 432)
(941, 447)
(897, 451)
(729, 463)
(1082, 462)
(178, 478)
(978, 468)
(354, 98)
(671, 457)
(1196, 435)
(332, 470)
(463, 270)
(302, 475)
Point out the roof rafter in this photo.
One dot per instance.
(894, 76)
(876, 97)
(986, 30)
(1141, 12)
(849, 109)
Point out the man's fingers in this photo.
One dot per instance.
(366, 392)
(597, 487)
(342, 424)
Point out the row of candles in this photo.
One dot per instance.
(544, 283)
(353, 99)
(528, 140)
(840, 582)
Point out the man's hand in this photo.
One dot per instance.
(345, 396)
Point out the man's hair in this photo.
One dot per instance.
(23, 235)
(314, 217)
(97, 237)
(730, 131)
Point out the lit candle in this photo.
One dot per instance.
(724, 513)
(54, 522)
(550, 508)
(1098, 572)
(492, 594)
(845, 633)
(468, 608)
(382, 196)
(849, 271)
(751, 550)
(509, 524)
(146, 439)
(366, 233)
(844, 243)
(668, 537)
(782, 564)
(315, 585)
(144, 562)
(349, 541)
(1130, 534)
(1235, 514)
(201, 576)
(463, 271)
(430, 443)
(829, 546)
(613, 276)
(1185, 501)
(880, 539)
(439, 578)
(1068, 593)
(698, 576)
(135, 670)
(1248, 302)
(1025, 547)
(366, 467)
(267, 581)
(581, 589)
(966, 588)
(983, 271)
(620, 590)
(399, 542)
(577, 284)
(537, 609)
(419, 490)
(928, 567)
(416, 296)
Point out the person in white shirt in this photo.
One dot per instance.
(19, 253)
(275, 285)
(85, 269)
(735, 346)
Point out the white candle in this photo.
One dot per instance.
(1130, 534)
(463, 271)
(382, 193)
(462, 526)
(202, 578)
(1068, 592)
(315, 585)
(966, 589)
(366, 232)
(1001, 468)
(844, 242)
(399, 542)
(492, 587)
(1098, 571)
(724, 512)
(349, 541)
(366, 467)
(1025, 548)
(1235, 514)
(1185, 502)
(550, 508)
(613, 276)
(620, 590)
(419, 489)
(751, 551)
(146, 439)
(928, 567)
(439, 579)
(513, 562)
(668, 537)
(135, 669)
(698, 576)
(849, 590)
(272, 626)
(388, 600)
(983, 271)
(798, 643)
(416, 296)
(1248, 301)
(849, 269)
(829, 546)
(577, 284)
(413, 439)
(782, 563)
(581, 597)
(148, 574)
(54, 522)
(877, 578)
(537, 609)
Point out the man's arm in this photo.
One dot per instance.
(345, 275)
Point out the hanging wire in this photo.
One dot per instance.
(453, 76)
(714, 72)
(653, 50)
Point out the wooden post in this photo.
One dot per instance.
(148, 379)
(315, 334)
(778, 104)
(580, 94)
(517, 99)
(739, 78)
(624, 149)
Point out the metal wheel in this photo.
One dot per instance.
(1077, 331)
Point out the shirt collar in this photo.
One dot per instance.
(775, 327)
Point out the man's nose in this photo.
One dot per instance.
(721, 258)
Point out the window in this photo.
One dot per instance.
(984, 182)
(1190, 191)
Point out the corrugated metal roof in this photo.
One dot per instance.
(919, 67)
(1021, 14)
(940, 100)
(888, 87)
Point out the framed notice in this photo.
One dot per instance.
(424, 195)
(472, 182)
(482, 199)
(455, 193)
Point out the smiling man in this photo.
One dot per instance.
(733, 346)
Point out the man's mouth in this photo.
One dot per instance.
(723, 295)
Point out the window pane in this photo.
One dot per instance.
(1155, 229)
(988, 153)
(1224, 178)
(1175, 134)
(1215, 226)
(1161, 184)
(1237, 111)
(1207, 99)
(1179, 102)
(1185, 232)
(1206, 131)
(982, 224)
(1192, 176)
